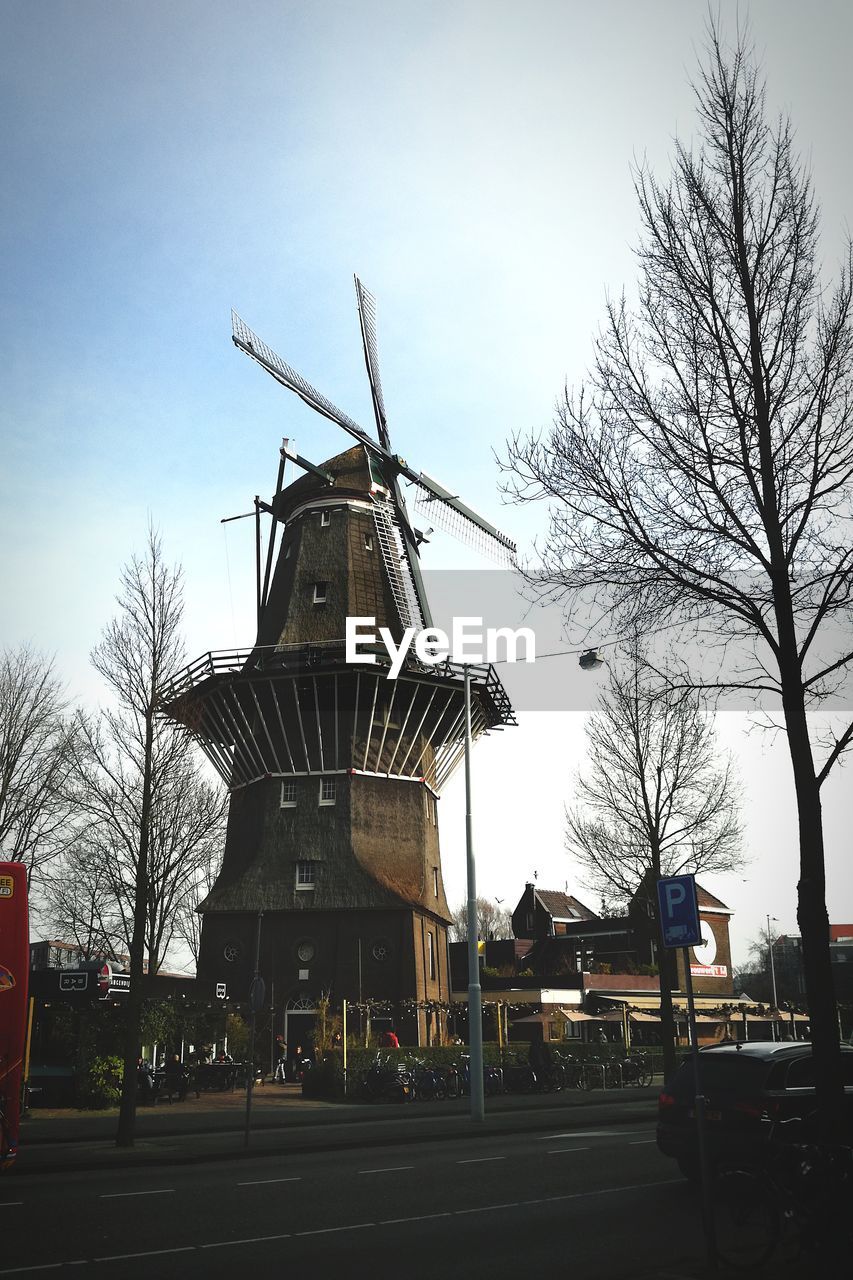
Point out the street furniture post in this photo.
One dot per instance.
(475, 1004)
(257, 996)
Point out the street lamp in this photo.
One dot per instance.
(475, 995)
(772, 974)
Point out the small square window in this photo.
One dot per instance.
(325, 519)
(288, 795)
(328, 790)
(368, 542)
(305, 875)
(320, 592)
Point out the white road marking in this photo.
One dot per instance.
(421, 1217)
(44, 1266)
(147, 1253)
(642, 1142)
(481, 1160)
(324, 1231)
(394, 1168)
(265, 1182)
(223, 1244)
(565, 1151)
(11, 1204)
(357, 1226)
(486, 1208)
(589, 1133)
(123, 1195)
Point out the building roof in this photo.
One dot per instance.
(563, 906)
(706, 899)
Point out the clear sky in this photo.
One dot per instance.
(165, 160)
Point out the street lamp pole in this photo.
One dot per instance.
(772, 976)
(475, 996)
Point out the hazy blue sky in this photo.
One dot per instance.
(165, 161)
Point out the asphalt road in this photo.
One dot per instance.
(595, 1201)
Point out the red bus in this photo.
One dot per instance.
(14, 975)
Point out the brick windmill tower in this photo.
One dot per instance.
(332, 850)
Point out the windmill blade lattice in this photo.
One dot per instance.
(395, 557)
(255, 347)
(367, 319)
(455, 518)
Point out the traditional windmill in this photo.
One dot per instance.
(334, 769)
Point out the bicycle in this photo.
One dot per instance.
(800, 1192)
(636, 1071)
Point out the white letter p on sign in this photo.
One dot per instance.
(675, 895)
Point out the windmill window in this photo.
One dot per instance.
(232, 951)
(306, 951)
(328, 790)
(288, 795)
(320, 592)
(325, 519)
(287, 547)
(368, 542)
(431, 953)
(435, 881)
(306, 875)
(381, 950)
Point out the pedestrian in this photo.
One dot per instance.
(174, 1078)
(280, 1073)
(389, 1039)
(144, 1081)
(602, 1036)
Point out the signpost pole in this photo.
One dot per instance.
(680, 927)
(256, 997)
(699, 1106)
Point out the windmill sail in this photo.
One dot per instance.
(395, 557)
(254, 347)
(445, 510)
(367, 319)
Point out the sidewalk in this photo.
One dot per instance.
(212, 1127)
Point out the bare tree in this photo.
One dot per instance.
(92, 893)
(140, 651)
(188, 920)
(654, 800)
(704, 473)
(493, 921)
(35, 749)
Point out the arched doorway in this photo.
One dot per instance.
(299, 1015)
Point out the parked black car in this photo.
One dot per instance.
(744, 1085)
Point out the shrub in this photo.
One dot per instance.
(99, 1083)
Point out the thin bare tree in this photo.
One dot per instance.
(36, 739)
(705, 473)
(654, 799)
(92, 892)
(141, 649)
(493, 921)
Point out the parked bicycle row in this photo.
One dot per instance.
(392, 1077)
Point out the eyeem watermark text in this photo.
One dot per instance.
(468, 642)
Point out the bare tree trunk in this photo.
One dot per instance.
(133, 1009)
(814, 923)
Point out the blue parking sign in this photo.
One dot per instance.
(679, 911)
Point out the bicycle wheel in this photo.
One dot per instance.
(746, 1219)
